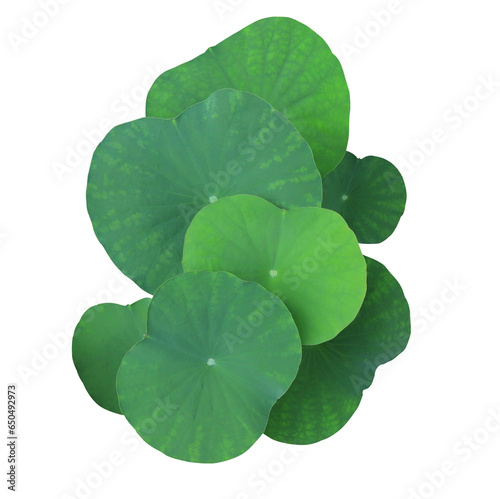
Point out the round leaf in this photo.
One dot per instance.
(218, 354)
(282, 61)
(149, 177)
(103, 336)
(332, 376)
(307, 256)
(369, 193)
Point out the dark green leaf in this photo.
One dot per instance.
(332, 376)
(103, 336)
(369, 193)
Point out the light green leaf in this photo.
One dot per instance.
(280, 60)
(307, 256)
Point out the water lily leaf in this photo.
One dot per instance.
(307, 256)
(218, 354)
(149, 177)
(103, 336)
(369, 193)
(332, 376)
(280, 60)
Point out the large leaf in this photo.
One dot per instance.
(307, 256)
(369, 193)
(218, 354)
(149, 177)
(103, 336)
(282, 61)
(332, 376)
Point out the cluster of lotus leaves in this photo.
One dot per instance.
(234, 205)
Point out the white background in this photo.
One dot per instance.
(94, 61)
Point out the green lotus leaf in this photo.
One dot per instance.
(217, 355)
(280, 60)
(332, 376)
(103, 336)
(149, 177)
(369, 193)
(307, 256)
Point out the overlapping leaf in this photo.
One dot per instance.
(218, 354)
(333, 375)
(103, 336)
(307, 256)
(284, 62)
(369, 193)
(149, 177)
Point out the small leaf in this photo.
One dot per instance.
(218, 354)
(307, 256)
(369, 193)
(284, 62)
(333, 375)
(103, 336)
